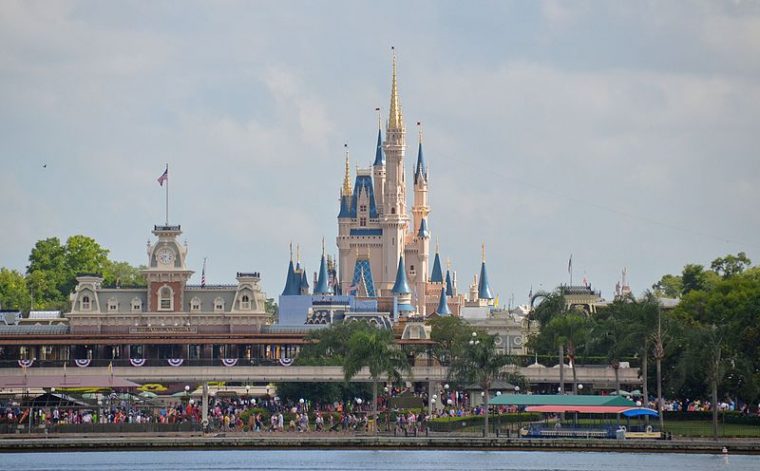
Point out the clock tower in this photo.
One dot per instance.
(167, 273)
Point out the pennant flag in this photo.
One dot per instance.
(137, 362)
(175, 362)
(570, 265)
(82, 363)
(229, 362)
(530, 295)
(286, 361)
(26, 363)
(164, 176)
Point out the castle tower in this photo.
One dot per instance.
(378, 166)
(323, 282)
(394, 222)
(484, 288)
(443, 306)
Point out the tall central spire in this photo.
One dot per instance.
(395, 116)
(347, 177)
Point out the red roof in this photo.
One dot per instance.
(582, 409)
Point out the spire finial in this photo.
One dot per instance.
(379, 118)
(298, 253)
(437, 246)
(291, 250)
(419, 130)
(323, 246)
(395, 117)
(483, 251)
(448, 263)
(347, 177)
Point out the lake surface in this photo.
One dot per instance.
(367, 460)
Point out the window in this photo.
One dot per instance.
(165, 299)
(362, 221)
(85, 304)
(218, 305)
(245, 303)
(195, 304)
(113, 305)
(363, 208)
(136, 305)
(393, 210)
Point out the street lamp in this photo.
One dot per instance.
(580, 389)
(517, 389)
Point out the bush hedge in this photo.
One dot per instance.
(448, 424)
(732, 417)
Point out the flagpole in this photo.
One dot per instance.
(167, 194)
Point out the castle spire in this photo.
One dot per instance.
(420, 170)
(484, 288)
(436, 276)
(323, 285)
(402, 285)
(347, 177)
(395, 116)
(443, 306)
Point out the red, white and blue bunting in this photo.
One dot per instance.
(137, 361)
(82, 363)
(228, 362)
(175, 361)
(286, 361)
(26, 363)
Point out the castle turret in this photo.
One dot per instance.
(443, 306)
(437, 274)
(291, 282)
(484, 288)
(378, 166)
(401, 289)
(323, 285)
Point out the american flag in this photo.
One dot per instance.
(164, 176)
(203, 274)
(353, 288)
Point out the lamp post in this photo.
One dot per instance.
(580, 389)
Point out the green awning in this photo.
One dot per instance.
(559, 400)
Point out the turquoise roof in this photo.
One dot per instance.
(323, 286)
(437, 275)
(379, 155)
(291, 284)
(484, 289)
(420, 170)
(443, 306)
(401, 286)
(423, 233)
(560, 400)
(449, 284)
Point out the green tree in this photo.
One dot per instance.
(669, 286)
(271, 308)
(14, 293)
(123, 274)
(730, 265)
(571, 330)
(373, 348)
(479, 363)
(450, 334)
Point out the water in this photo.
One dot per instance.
(367, 460)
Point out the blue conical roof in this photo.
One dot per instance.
(291, 284)
(323, 286)
(379, 155)
(443, 306)
(401, 286)
(437, 275)
(423, 233)
(484, 289)
(304, 282)
(420, 170)
(449, 284)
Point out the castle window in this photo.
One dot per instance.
(85, 304)
(218, 305)
(362, 222)
(136, 305)
(245, 303)
(393, 210)
(113, 306)
(363, 207)
(165, 299)
(411, 269)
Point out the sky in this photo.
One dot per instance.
(623, 133)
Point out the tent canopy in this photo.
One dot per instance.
(640, 412)
(580, 409)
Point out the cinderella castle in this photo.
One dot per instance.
(383, 266)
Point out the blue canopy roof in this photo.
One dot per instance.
(640, 412)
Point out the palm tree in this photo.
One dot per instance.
(479, 363)
(373, 348)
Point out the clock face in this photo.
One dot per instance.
(166, 256)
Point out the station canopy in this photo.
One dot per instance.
(561, 400)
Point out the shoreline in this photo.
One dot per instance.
(288, 441)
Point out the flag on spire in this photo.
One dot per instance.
(203, 274)
(164, 176)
